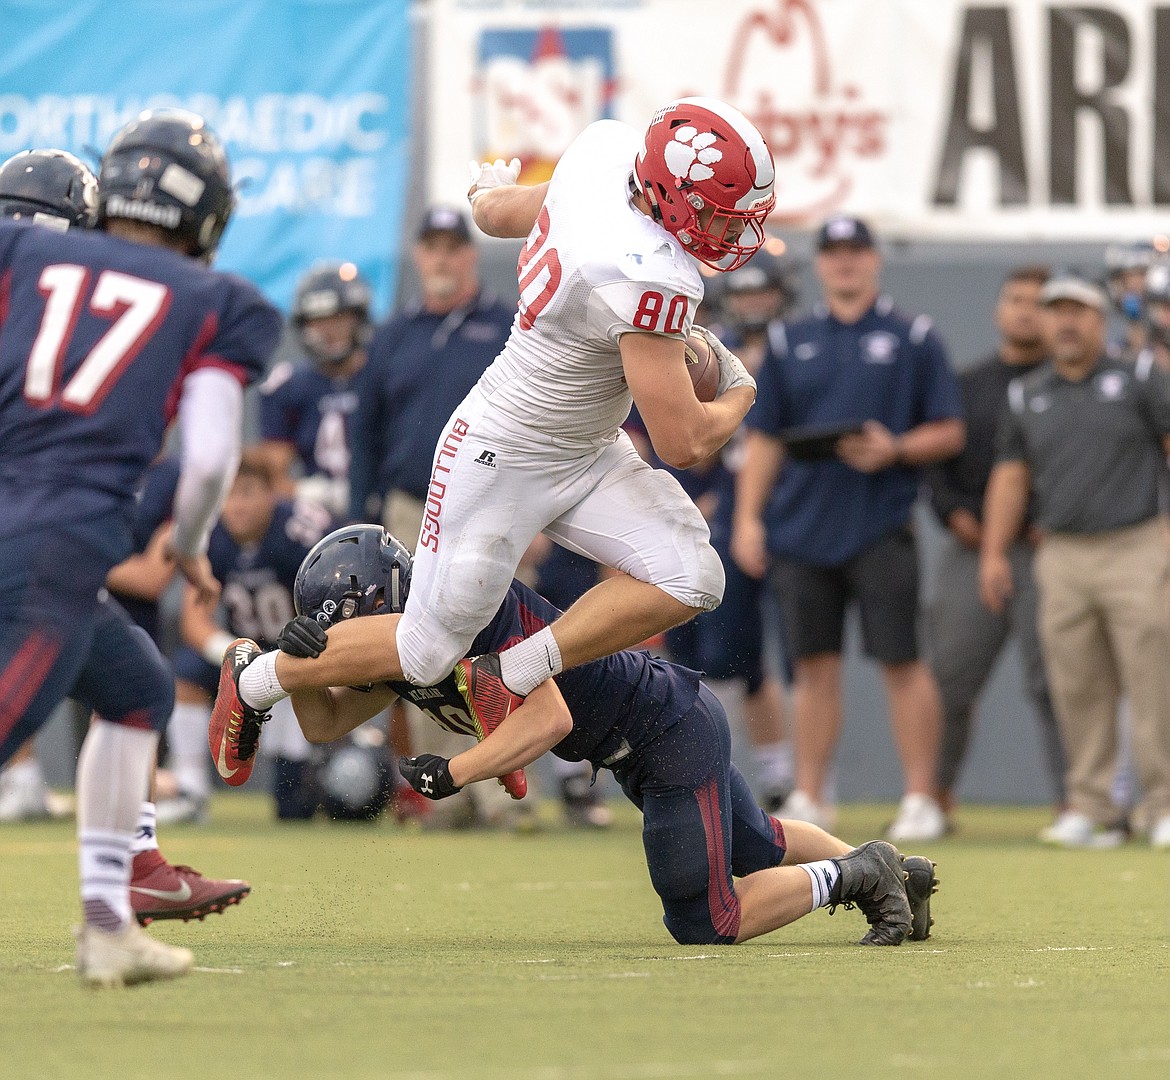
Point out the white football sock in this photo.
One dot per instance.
(259, 686)
(187, 738)
(526, 665)
(113, 774)
(823, 875)
(26, 774)
(774, 767)
(144, 835)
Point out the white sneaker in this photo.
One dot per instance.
(1160, 833)
(919, 818)
(129, 956)
(1076, 830)
(183, 809)
(799, 806)
(23, 795)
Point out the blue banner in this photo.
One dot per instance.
(311, 97)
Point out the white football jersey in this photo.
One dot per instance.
(592, 269)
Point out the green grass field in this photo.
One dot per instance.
(380, 952)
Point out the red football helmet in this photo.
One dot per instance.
(702, 154)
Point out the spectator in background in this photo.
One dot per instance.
(305, 409)
(1125, 280)
(1157, 307)
(727, 644)
(255, 551)
(423, 362)
(1082, 443)
(837, 530)
(966, 638)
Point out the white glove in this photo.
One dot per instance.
(486, 175)
(732, 373)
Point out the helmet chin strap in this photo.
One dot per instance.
(646, 192)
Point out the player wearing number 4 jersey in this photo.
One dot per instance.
(103, 337)
(609, 282)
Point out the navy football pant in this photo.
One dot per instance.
(62, 636)
(189, 665)
(700, 824)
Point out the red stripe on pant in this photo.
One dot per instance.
(23, 677)
(721, 899)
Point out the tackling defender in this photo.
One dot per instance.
(609, 283)
(661, 732)
(103, 337)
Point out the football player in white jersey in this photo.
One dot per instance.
(609, 283)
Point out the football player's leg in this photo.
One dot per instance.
(681, 783)
(129, 686)
(639, 521)
(46, 623)
(484, 508)
(196, 683)
(687, 840)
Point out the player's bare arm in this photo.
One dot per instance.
(683, 429)
(763, 458)
(508, 212)
(360, 651)
(198, 628)
(526, 733)
(325, 715)
(875, 447)
(1004, 509)
(147, 574)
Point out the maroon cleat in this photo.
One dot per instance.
(407, 805)
(234, 731)
(159, 890)
(489, 703)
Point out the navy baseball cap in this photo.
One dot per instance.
(444, 219)
(841, 229)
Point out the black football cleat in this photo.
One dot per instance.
(872, 879)
(921, 885)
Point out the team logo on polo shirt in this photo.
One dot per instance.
(879, 347)
(1111, 385)
(806, 350)
(1039, 403)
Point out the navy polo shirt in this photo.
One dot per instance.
(421, 365)
(885, 367)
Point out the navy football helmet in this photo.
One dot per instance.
(1157, 303)
(349, 572)
(168, 168)
(51, 187)
(330, 288)
(766, 273)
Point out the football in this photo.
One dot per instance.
(702, 367)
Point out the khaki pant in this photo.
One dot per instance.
(402, 517)
(1105, 631)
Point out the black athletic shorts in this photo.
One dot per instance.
(883, 580)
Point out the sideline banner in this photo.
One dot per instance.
(935, 118)
(311, 98)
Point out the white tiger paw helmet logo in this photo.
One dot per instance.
(690, 155)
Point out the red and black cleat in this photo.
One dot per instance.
(489, 703)
(234, 731)
(159, 890)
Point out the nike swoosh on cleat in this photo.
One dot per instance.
(179, 895)
(222, 764)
